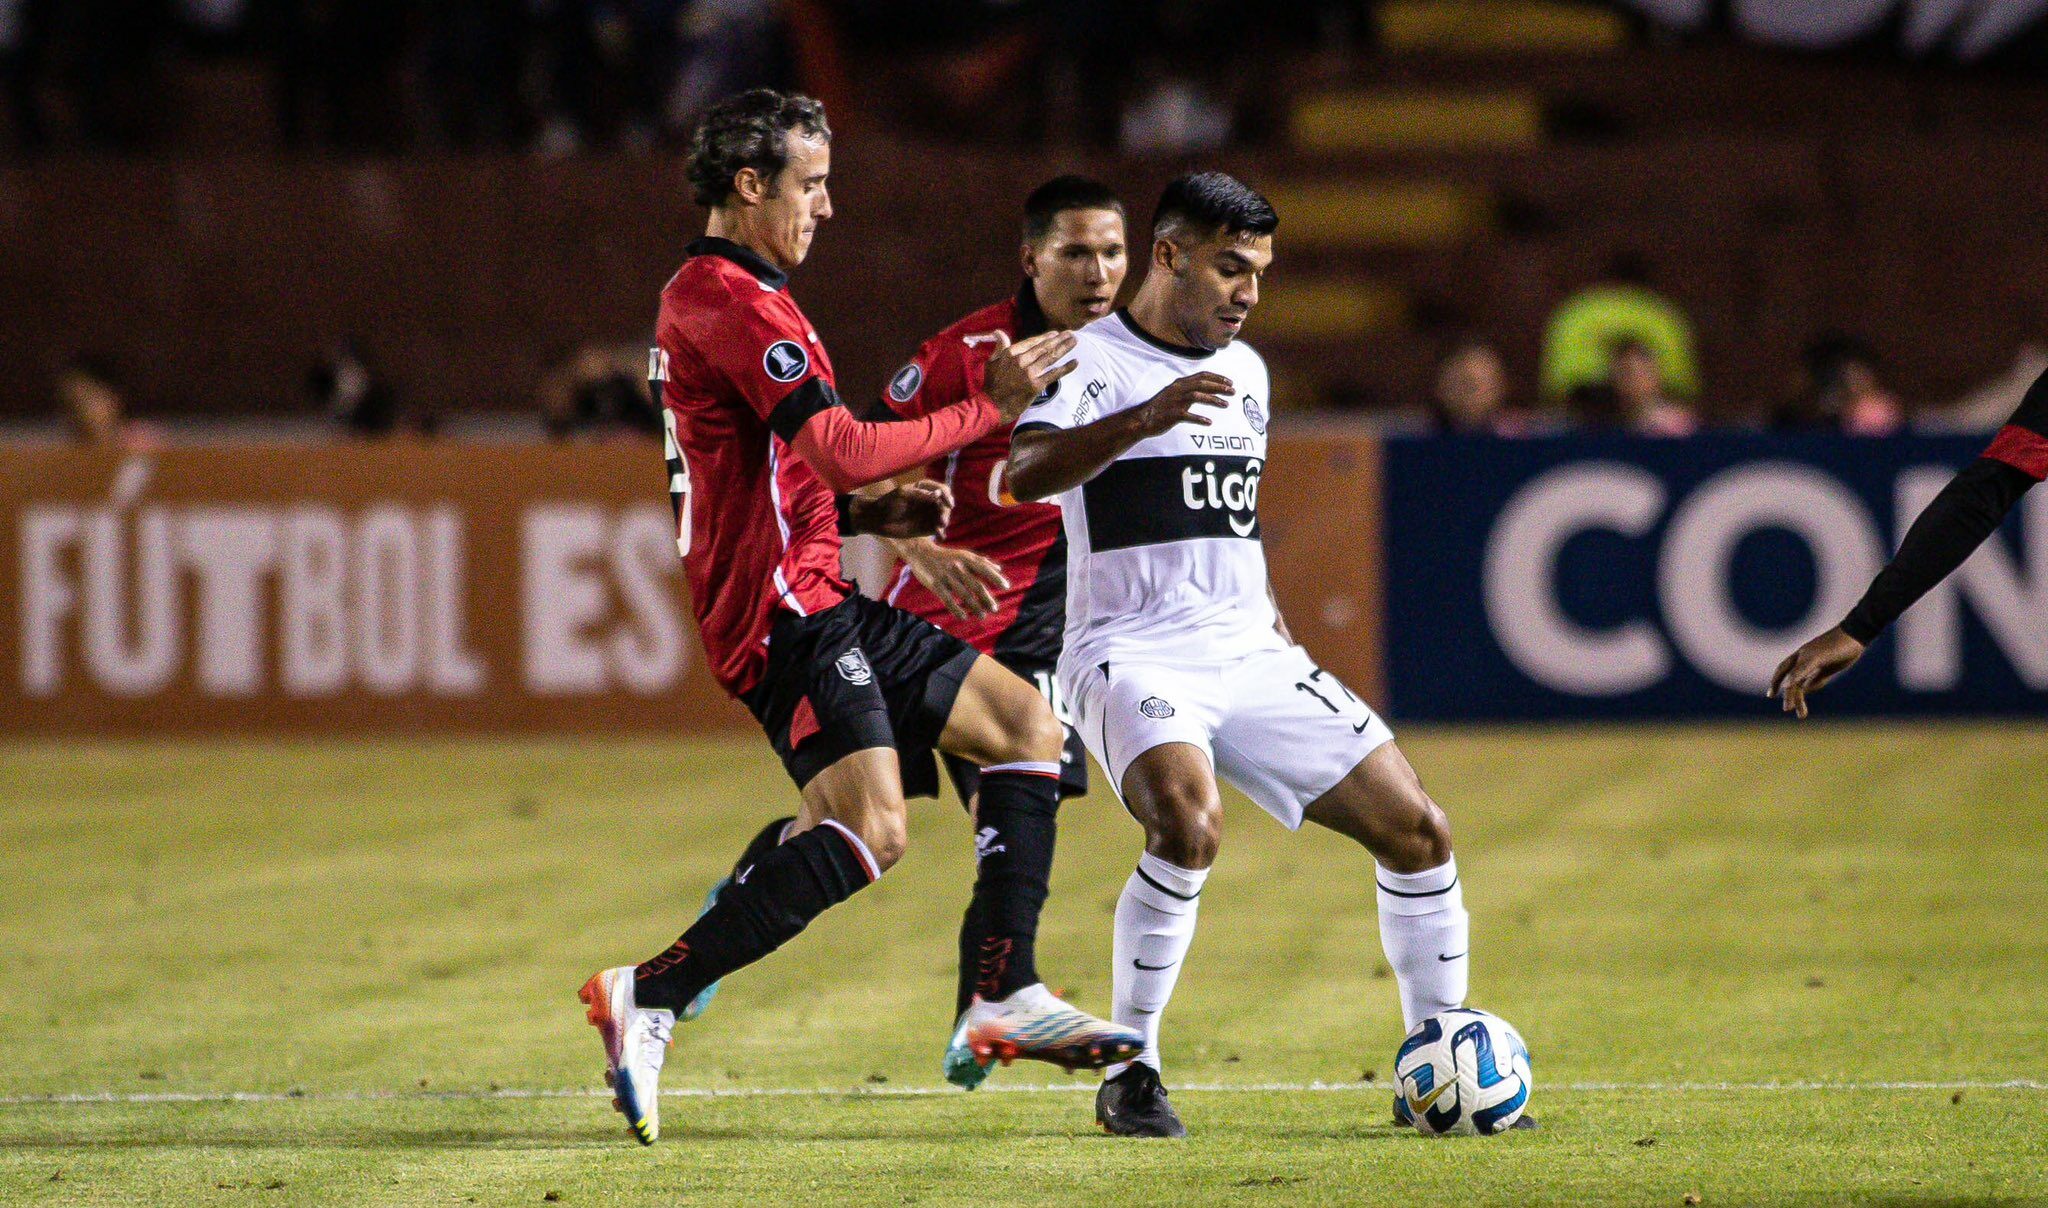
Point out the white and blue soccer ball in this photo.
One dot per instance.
(1464, 1071)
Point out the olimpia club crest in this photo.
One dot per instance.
(853, 668)
(1255, 415)
(1155, 708)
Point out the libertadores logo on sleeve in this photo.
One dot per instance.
(785, 360)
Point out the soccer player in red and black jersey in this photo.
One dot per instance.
(758, 444)
(1967, 511)
(994, 575)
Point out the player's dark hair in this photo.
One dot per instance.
(748, 130)
(1060, 194)
(1212, 203)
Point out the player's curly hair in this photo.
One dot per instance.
(748, 130)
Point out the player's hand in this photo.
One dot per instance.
(917, 509)
(1176, 404)
(1809, 668)
(960, 578)
(1018, 373)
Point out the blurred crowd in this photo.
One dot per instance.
(557, 76)
(1618, 356)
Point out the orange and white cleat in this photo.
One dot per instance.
(636, 1042)
(1035, 1025)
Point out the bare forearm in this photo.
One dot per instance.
(1046, 461)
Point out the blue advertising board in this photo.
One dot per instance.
(1607, 576)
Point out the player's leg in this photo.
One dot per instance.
(1304, 747)
(827, 718)
(849, 832)
(1149, 729)
(1003, 725)
(765, 840)
(966, 778)
(1424, 929)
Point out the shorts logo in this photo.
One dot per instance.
(1155, 708)
(853, 668)
(785, 360)
(1255, 415)
(906, 382)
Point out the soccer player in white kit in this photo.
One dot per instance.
(1176, 662)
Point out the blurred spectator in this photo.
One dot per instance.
(1621, 307)
(1633, 397)
(1986, 408)
(600, 390)
(727, 46)
(359, 401)
(634, 73)
(1637, 381)
(1470, 394)
(95, 406)
(1172, 114)
(1843, 392)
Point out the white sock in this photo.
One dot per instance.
(1155, 923)
(1426, 934)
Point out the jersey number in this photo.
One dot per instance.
(672, 449)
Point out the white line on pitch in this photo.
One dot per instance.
(858, 1092)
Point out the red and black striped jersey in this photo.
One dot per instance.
(1025, 539)
(757, 445)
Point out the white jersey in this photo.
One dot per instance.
(1164, 560)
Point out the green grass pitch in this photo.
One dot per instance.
(1756, 965)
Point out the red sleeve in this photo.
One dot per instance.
(766, 358)
(848, 454)
(936, 377)
(2023, 442)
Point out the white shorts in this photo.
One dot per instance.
(1274, 724)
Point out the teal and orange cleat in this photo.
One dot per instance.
(1035, 1025)
(961, 1066)
(635, 1044)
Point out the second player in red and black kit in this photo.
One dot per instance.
(1968, 510)
(994, 575)
(761, 454)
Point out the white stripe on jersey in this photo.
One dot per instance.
(781, 526)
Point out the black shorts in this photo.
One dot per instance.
(858, 675)
(921, 776)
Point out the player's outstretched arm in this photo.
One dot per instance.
(1968, 510)
(1046, 460)
(849, 454)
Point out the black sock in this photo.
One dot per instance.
(1014, 839)
(769, 838)
(971, 929)
(784, 890)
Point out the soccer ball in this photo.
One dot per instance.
(1463, 1071)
